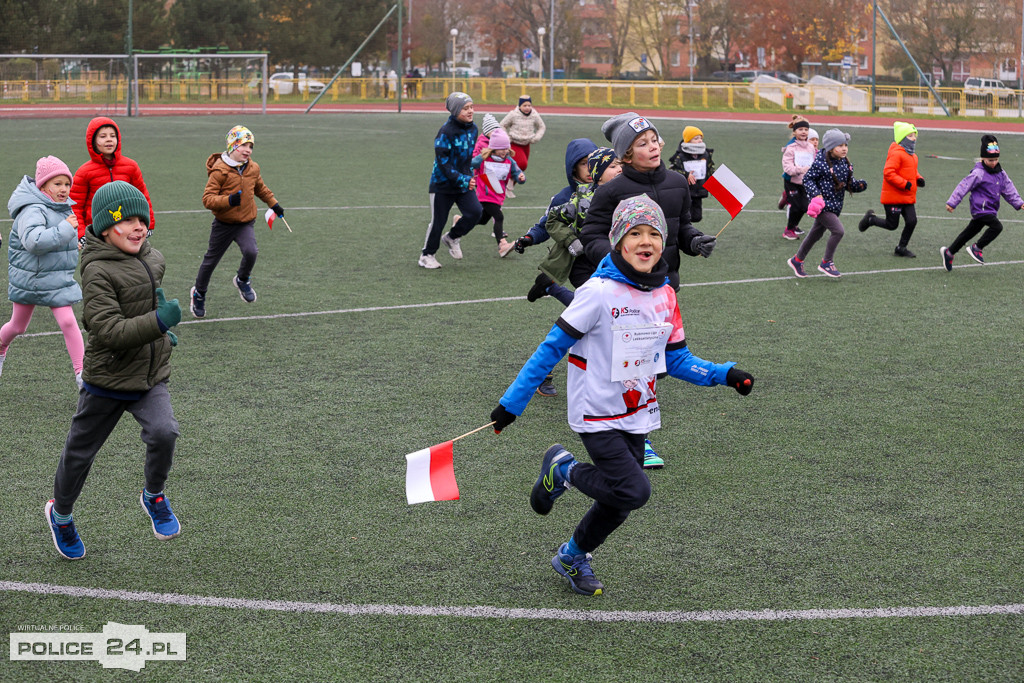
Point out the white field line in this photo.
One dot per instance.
(484, 612)
(371, 309)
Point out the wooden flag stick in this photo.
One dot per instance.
(716, 236)
(472, 432)
(286, 224)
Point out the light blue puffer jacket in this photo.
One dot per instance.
(42, 253)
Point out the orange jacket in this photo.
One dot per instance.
(97, 172)
(900, 169)
(225, 180)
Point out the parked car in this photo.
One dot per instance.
(988, 87)
(466, 72)
(284, 83)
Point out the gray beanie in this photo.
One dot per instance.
(489, 124)
(623, 129)
(456, 101)
(833, 138)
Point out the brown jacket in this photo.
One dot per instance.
(225, 181)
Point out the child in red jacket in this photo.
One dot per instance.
(106, 164)
(900, 181)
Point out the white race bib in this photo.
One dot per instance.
(803, 158)
(698, 167)
(638, 351)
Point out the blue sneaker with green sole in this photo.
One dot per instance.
(576, 569)
(550, 484)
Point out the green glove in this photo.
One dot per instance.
(173, 337)
(167, 312)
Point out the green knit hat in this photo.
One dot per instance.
(902, 129)
(115, 202)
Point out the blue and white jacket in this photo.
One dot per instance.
(831, 178)
(453, 155)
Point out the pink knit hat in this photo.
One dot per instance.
(48, 168)
(499, 140)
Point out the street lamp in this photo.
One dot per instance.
(455, 34)
(540, 41)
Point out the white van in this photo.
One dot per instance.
(988, 87)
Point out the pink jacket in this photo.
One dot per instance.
(491, 174)
(789, 165)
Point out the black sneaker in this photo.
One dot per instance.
(547, 387)
(865, 222)
(975, 253)
(576, 569)
(245, 290)
(904, 252)
(550, 484)
(197, 303)
(540, 287)
(947, 258)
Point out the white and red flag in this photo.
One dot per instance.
(430, 475)
(270, 216)
(729, 190)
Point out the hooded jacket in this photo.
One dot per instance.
(126, 351)
(453, 156)
(831, 178)
(985, 188)
(225, 180)
(577, 150)
(900, 170)
(790, 170)
(42, 252)
(97, 172)
(672, 193)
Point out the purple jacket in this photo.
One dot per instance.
(985, 189)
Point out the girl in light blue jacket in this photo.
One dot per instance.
(42, 257)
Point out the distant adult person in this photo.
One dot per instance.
(524, 127)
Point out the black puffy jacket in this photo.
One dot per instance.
(672, 193)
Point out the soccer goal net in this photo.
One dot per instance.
(200, 82)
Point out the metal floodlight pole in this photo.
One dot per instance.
(1020, 65)
(874, 53)
(401, 55)
(128, 44)
(551, 54)
(349, 60)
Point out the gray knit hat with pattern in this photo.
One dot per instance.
(623, 129)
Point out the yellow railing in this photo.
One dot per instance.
(595, 93)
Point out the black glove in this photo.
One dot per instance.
(81, 241)
(740, 380)
(522, 243)
(501, 418)
(149, 233)
(920, 182)
(235, 199)
(703, 244)
(909, 185)
(278, 209)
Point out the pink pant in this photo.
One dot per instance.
(65, 317)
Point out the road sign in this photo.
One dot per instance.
(527, 53)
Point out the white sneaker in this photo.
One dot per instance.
(509, 194)
(79, 381)
(504, 247)
(456, 218)
(2, 359)
(429, 261)
(453, 246)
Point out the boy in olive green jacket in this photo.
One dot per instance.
(127, 361)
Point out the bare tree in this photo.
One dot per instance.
(656, 32)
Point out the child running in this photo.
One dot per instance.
(693, 160)
(106, 164)
(797, 157)
(900, 181)
(233, 184)
(495, 168)
(42, 255)
(828, 179)
(622, 329)
(986, 184)
(127, 362)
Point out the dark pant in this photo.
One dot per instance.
(973, 228)
(492, 210)
(616, 481)
(440, 206)
(892, 220)
(796, 195)
(92, 424)
(221, 237)
(696, 210)
(825, 222)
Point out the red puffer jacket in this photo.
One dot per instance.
(97, 172)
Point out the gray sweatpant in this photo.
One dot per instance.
(92, 424)
(826, 220)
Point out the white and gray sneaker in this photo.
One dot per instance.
(429, 261)
(2, 359)
(454, 248)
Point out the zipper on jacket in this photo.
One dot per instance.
(152, 344)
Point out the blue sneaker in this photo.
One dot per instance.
(165, 524)
(652, 461)
(576, 569)
(976, 254)
(197, 303)
(550, 484)
(245, 290)
(829, 269)
(65, 537)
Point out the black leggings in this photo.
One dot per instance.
(892, 220)
(493, 211)
(973, 228)
(796, 195)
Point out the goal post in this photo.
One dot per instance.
(229, 82)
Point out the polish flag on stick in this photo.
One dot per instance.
(270, 217)
(729, 190)
(430, 474)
